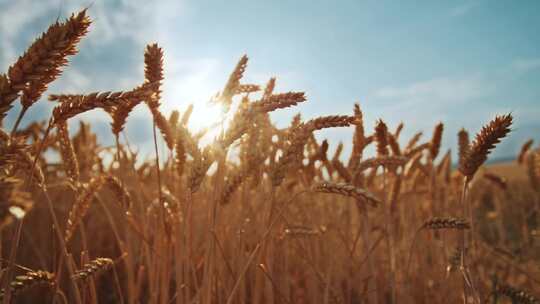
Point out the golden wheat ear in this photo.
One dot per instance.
(232, 183)
(81, 206)
(71, 105)
(153, 72)
(435, 144)
(299, 134)
(165, 129)
(233, 83)
(463, 145)
(93, 268)
(446, 223)
(516, 295)
(533, 169)
(7, 96)
(200, 166)
(359, 139)
(381, 136)
(497, 180)
(15, 152)
(14, 202)
(524, 150)
(69, 159)
(120, 114)
(42, 62)
(391, 162)
(485, 141)
(28, 280)
(269, 88)
(413, 141)
(347, 190)
(121, 194)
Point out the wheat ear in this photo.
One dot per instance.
(381, 136)
(299, 136)
(93, 268)
(14, 202)
(72, 105)
(497, 180)
(413, 141)
(446, 223)
(69, 159)
(28, 280)
(231, 87)
(485, 141)
(435, 144)
(517, 295)
(524, 150)
(463, 145)
(120, 192)
(81, 206)
(41, 63)
(347, 190)
(359, 138)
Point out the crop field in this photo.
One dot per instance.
(245, 211)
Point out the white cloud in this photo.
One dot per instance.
(15, 16)
(438, 89)
(136, 20)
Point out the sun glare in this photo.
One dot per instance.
(198, 90)
(207, 117)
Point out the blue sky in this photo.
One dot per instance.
(460, 62)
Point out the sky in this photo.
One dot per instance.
(420, 62)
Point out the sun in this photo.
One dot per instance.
(206, 116)
(207, 120)
(197, 91)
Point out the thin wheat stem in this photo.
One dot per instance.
(18, 121)
(11, 264)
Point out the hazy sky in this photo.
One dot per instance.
(460, 62)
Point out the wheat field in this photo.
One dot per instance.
(260, 214)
